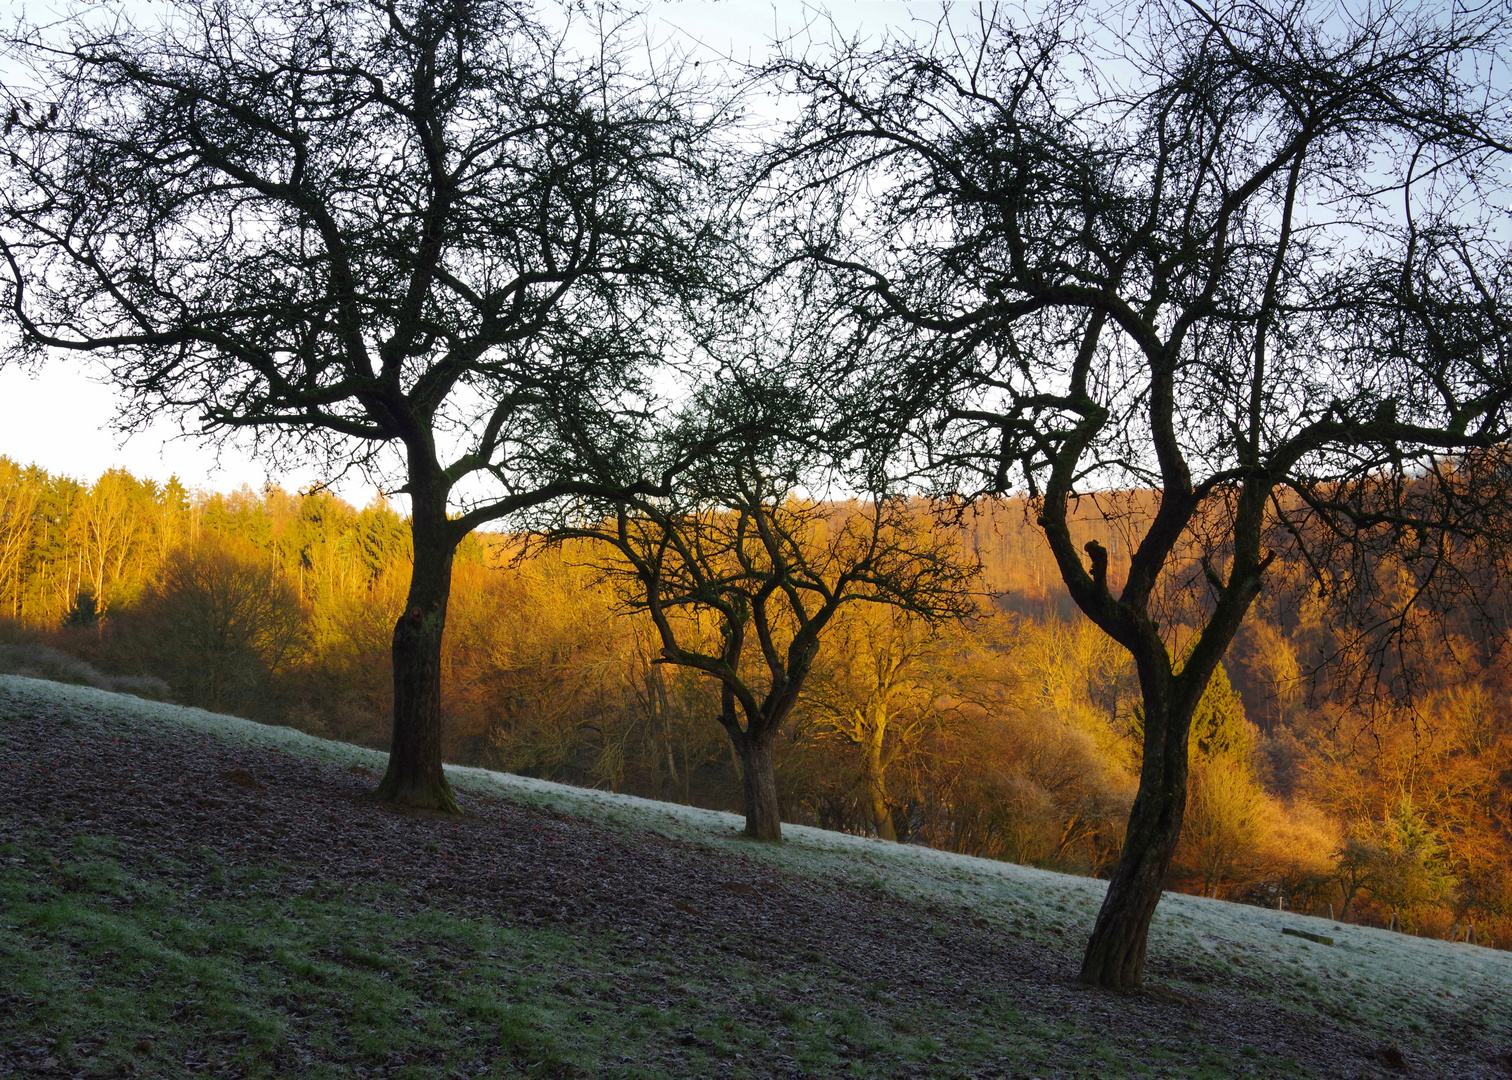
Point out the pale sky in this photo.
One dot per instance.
(61, 417)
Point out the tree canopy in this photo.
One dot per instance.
(1236, 274)
(1254, 266)
(440, 229)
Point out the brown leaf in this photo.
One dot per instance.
(243, 778)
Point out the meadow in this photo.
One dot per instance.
(185, 893)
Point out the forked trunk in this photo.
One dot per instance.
(415, 777)
(759, 781)
(1116, 953)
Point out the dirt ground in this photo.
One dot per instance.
(527, 866)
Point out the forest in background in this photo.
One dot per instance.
(1012, 735)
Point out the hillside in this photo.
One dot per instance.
(1012, 735)
(184, 893)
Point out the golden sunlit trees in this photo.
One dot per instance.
(1237, 836)
(674, 704)
(1224, 819)
(106, 532)
(18, 507)
(543, 691)
(1027, 787)
(66, 545)
(874, 689)
(1006, 735)
(1423, 795)
(437, 240)
(1226, 806)
(1031, 764)
(1399, 860)
(1271, 661)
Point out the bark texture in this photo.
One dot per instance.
(763, 812)
(415, 777)
(1115, 955)
(876, 779)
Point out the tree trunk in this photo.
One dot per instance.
(415, 777)
(1349, 895)
(759, 780)
(1116, 953)
(876, 785)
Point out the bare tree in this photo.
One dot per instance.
(742, 571)
(18, 508)
(217, 623)
(1259, 276)
(875, 691)
(432, 227)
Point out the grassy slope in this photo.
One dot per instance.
(193, 956)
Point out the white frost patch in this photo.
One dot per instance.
(1380, 972)
(21, 694)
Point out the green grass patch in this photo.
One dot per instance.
(195, 967)
(266, 975)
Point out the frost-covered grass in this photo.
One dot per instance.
(1368, 975)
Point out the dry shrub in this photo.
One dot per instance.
(1296, 852)
(1226, 815)
(1243, 844)
(37, 661)
(1027, 787)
